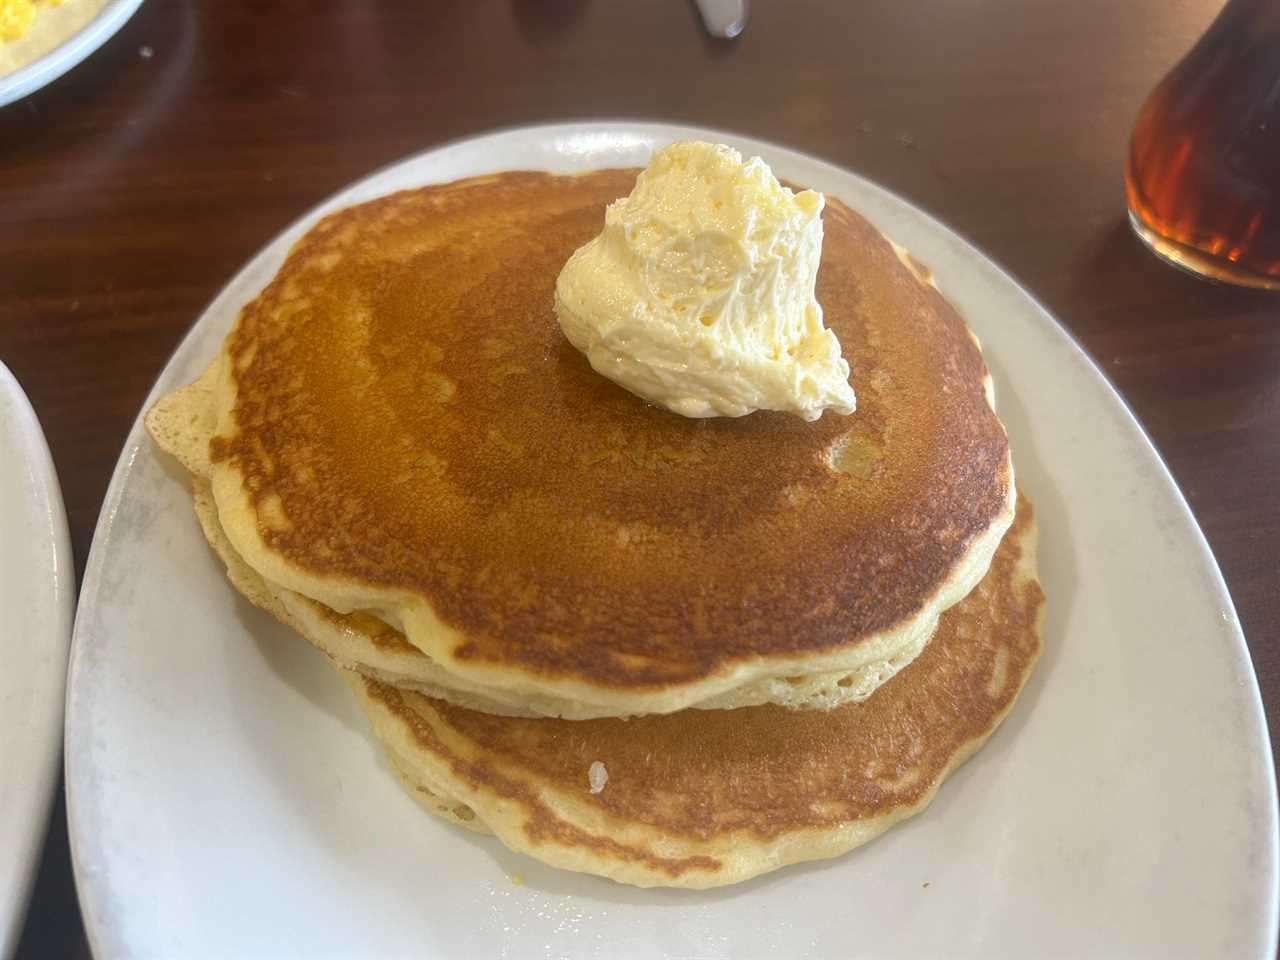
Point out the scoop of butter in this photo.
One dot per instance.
(698, 295)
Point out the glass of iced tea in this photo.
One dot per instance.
(1203, 173)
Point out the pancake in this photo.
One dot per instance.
(369, 646)
(707, 798)
(401, 432)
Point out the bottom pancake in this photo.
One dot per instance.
(706, 798)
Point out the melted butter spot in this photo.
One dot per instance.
(854, 456)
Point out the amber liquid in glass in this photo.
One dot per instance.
(1203, 173)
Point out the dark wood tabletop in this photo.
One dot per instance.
(135, 186)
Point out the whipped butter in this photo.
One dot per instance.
(698, 295)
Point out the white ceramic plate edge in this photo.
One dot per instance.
(45, 69)
(44, 575)
(649, 131)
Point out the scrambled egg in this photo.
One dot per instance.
(16, 16)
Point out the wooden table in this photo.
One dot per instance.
(135, 186)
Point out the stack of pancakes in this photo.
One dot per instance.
(666, 651)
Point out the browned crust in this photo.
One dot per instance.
(541, 824)
(562, 526)
(761, 771)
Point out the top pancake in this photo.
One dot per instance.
(402, 428)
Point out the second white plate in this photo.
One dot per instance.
(226, 798)
(37, 596)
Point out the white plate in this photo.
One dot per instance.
(37, 591)
(226, 799)
(58, 39)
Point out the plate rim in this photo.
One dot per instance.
(661, 129)
(35, 804)
(70, 53)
